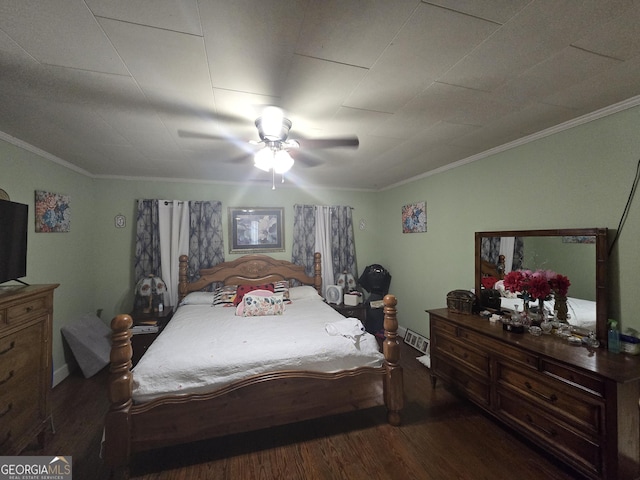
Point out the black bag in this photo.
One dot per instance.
(375, 279)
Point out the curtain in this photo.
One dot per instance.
(342, 241)
(173, 220)
(506, 249)
(343, 252)
(147, 255)
(304, 236)
(206, 245)
(203, 238)
(324, 246)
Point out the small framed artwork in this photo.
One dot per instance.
(256, 230)
(414, 217)
(53, 212)
(417, 341)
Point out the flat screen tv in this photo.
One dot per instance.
(13, 240)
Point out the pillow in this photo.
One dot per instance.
(489, 282)
(255, 293)
(244, 289)
(258, 306)
(305, 291)
(503, 291)
(199, 298)
(224, 296)
(282, 287)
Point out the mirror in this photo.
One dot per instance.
(579, 254)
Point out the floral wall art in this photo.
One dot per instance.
(53, 212)
(414, 217)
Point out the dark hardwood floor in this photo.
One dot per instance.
(442, 437)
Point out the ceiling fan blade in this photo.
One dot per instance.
(317, 143)
(202, 136)
(304, 159)
(241, 159)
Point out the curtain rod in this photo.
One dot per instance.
(330, 206)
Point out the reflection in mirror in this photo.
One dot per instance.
(578, 254)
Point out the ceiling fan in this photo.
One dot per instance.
(273, 130)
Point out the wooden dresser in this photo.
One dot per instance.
(25, 364)
(580, 405)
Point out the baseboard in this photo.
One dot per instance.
(59, 374)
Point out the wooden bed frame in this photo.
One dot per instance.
(257, 402)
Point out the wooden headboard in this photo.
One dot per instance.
(249, 270)
(489, 269)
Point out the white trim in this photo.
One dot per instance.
(59, 374)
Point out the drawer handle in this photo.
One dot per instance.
(2, 382)
(6, 410)
(11, 347)
(547, 432)
(552, 398)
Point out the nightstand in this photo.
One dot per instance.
(355, 311)
(141, 341)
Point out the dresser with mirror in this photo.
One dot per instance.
(578, 403)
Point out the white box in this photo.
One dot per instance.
(352, 299)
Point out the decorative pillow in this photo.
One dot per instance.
(199, 298)
(503, 291)
(302, 292)
(244, 289)
(257, 306)
(282, 287)
(224, 296)
(489, 282)
(255, 293)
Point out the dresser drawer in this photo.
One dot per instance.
(590, 384)
(499, 348)
(25, 311)
(18, 415)
(21, 355)
(465, 355)
(571, 404)
(582, 450)
(473, 387)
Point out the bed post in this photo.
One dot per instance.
(393, 382)
(117, 434)
(183, 268)
(317, 272)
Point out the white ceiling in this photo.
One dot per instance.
(107, 85)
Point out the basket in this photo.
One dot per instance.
(461, 301)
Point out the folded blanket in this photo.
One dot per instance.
(349, 327)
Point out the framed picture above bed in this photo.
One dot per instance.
(256, 230)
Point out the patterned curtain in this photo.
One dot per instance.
(343, 244)
(304, 236)
(490, 249)
(147, 256)
(342, 239)
(206, 245)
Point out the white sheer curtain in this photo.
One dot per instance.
(173, 222)
(323, 245)
(507, 245)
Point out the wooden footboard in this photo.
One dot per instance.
(258, 402)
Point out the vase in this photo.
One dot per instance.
(560, 306)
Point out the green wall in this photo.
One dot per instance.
(577, 178)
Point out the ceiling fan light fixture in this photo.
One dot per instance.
(272, 126)
(263, 159)
(282, 161)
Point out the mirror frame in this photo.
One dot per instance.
(601, 264)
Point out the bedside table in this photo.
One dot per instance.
(141, 341)
(355, 311)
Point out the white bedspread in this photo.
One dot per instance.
(581, 313)
(204, 348)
